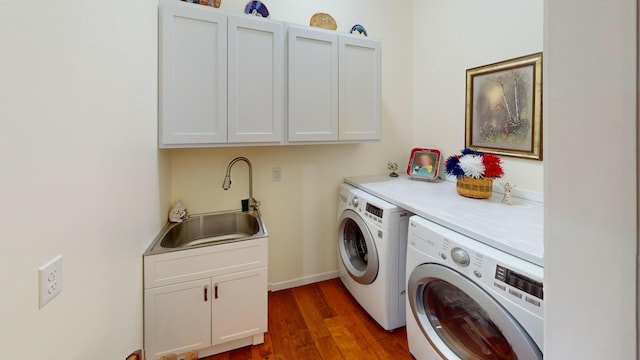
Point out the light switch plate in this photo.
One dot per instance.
(50, 280)
(276, 174)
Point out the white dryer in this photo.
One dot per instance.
(467, 300)
(372, 243)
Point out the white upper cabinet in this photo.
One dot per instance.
(334, 86)
(235, 79)
(193, 75)
(221, 77)
(359, 88)
(256, 80)
(313, 85)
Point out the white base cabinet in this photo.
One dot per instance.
(180, 306)
(246, 293)
(211, 299)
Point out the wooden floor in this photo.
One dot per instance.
(322, 321)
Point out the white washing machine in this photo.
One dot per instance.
(372, 243)
(467, 300)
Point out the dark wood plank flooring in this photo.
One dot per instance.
(322, 321)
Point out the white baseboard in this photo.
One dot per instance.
(282, 285)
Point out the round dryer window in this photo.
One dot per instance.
(457, 316)
(463, 324)
(357, 249)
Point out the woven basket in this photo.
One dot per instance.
(324, 21)
(475, 188)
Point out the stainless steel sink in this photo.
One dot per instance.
(209, 229)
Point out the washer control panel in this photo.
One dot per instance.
(374, 210)
(504, 275)
(520, 282)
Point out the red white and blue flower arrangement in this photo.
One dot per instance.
(474, 164)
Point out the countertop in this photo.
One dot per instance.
(515, 229)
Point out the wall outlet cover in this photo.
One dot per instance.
(49, 280)
(276, 174)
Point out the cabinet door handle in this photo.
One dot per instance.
(206, 293)
(215, 290)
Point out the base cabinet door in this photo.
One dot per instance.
(239, 304)
(177, 318)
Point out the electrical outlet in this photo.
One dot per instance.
(276, 174)
(50, 280)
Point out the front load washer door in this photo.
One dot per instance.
(357, 248)
(462, 321)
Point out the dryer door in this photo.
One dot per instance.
(462, 321)
(357, 248)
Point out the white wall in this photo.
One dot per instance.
(450, 37)
(80, 173)
(301, 210)
(590, 179)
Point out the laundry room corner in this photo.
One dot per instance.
(301, 209)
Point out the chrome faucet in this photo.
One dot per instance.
(226, 185)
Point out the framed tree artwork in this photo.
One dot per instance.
(504, 107)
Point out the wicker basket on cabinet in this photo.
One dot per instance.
(474, 188)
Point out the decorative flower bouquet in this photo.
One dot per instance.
(475, 172)
(474, 164)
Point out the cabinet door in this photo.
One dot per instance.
(193, 75)
(256, 80)
(313, 85)
(177, 318)
(359, 88)
(239, 305)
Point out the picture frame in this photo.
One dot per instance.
(424, 164)
(504, 107)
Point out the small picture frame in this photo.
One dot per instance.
(424, 164)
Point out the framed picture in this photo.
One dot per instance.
(504, 108)
(424, 164)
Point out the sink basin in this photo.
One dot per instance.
(209, 229)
